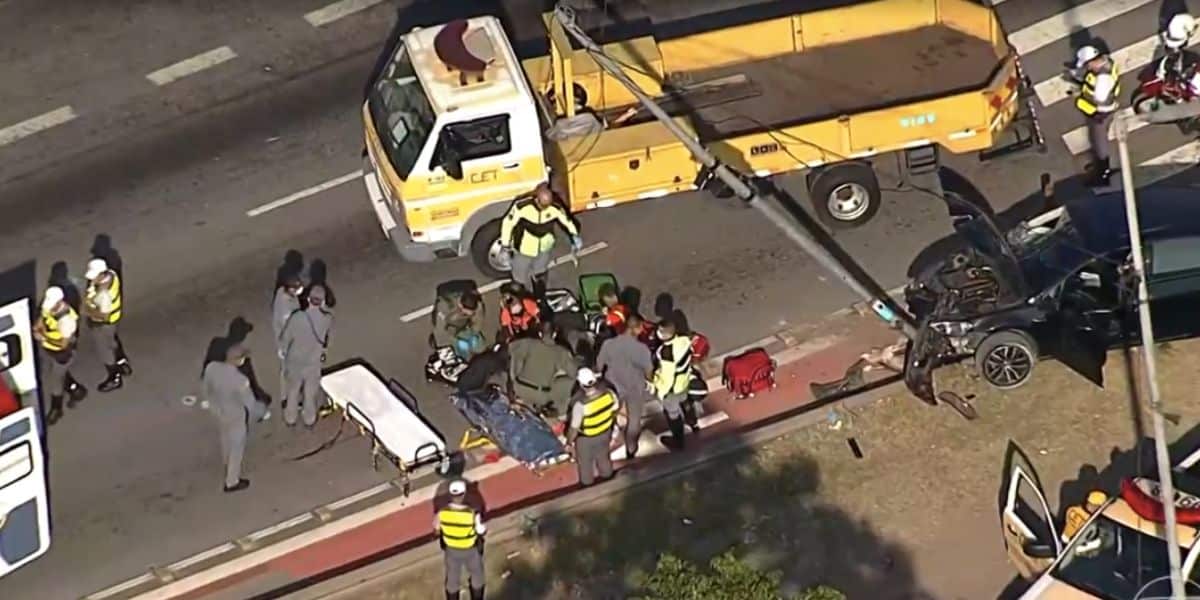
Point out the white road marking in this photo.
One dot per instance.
(189, 66)
(1051, 29)
(337, 10)
(304, 193)
(33, 125)
(1171, 162)
(558, 262)
(1128, 59)
(1077, 139)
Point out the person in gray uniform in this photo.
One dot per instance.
(305, 338)
(628, 364)
(593, 416)
(285, 302)
(231, 399)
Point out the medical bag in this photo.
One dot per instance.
(700, 347)
(748, 373)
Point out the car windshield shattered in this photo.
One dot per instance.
(1115, 562)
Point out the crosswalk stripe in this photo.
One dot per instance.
(1128, 59)
(1077, 139)
(1169, 163)
(1051, 29)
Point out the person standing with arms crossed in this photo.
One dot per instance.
(627, 363)
(527, 235)
(231, 399)
(57, 332)
(285, 302)
(103, 305)
(305, 338)
(461, 532)
(593, 416)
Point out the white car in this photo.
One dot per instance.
(1120, 553)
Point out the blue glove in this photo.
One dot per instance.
(576, 243)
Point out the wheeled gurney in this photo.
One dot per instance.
(512, 427)
(388, 413)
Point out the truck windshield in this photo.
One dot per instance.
(1115, 562)
(401, 112)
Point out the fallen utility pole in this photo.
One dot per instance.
(1166, 485)
(772, 210)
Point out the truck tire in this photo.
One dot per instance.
(845, 195)
(485, 251)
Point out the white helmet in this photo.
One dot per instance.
(95, 267)
(53, 296)
(458, 487)
(1085, 55)
(586, 377)
(1179, 31)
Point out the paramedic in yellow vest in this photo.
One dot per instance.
(1078, 515)
(460, 529)
(593, 416)
(672, 377)
(57, 331)
(527, 235)
(1098, 100)
(103, 306)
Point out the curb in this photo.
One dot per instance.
(324, 522)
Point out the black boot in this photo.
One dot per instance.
(1100, 174)
(675, 441)
(689, 416)
(56, 411)
(113, 382)
(123, 366)
(452, 595)
(477, 593)
(76, 392)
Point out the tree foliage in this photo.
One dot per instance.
(726, 578)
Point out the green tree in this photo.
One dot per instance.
(727, 578)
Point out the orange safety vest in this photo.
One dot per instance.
(615, 317)
(515, 324)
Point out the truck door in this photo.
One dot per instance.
(1030, 537)
(24, 510)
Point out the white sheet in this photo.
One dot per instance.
(359, 392)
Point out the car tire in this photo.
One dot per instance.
(1006, 359)
(845, 195)
(484, 247)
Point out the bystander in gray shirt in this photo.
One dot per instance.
(305, 336)
(229, 395)
(282, 306)
(625, 361)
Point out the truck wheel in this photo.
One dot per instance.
(846, 195)
(486, 252)
(1005, 359)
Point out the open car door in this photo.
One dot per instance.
(1030, 537)
(24, 509)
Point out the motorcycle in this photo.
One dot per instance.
(1161, 88)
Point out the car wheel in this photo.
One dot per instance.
(1005, 359)
(845, 195)
(487, 253)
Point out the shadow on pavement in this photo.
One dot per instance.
(763, 510)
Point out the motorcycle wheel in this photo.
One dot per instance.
(1144, 105)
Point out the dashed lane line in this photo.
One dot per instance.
(190, 66)
(337, 10)
(304, 193)
(558, 262)
(33, 125)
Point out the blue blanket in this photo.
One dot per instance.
(516, 430)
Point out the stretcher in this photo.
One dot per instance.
(512, 427)
(387, 412)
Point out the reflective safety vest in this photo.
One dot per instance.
(1088, 103)
(515, 324)
(114, 315)
(674, 366)
(599, 414)
(458, 527)
(530, 230)
(615, 317)
(52, 337)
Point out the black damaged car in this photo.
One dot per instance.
(1057, 285)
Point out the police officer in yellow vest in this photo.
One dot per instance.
(57, 331)
(103, 306)
(1098, 100)
(593, 416)
(527, 234)
(672, 377)
(461, 531)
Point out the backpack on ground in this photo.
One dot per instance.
(748, 373)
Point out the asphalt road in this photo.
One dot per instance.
(136, 473)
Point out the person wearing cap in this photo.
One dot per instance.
(305, 339)
(285, 302)
(593, 416)
(527, 235)
(1078, 515)
(628, 364)
(461, 529)
(542, 371)
(672, 377)
(1099, 98)
(103, 306)
(57, 332)
(231, 398)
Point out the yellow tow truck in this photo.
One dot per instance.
(457, 125)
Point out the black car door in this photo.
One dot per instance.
(1173, 283)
